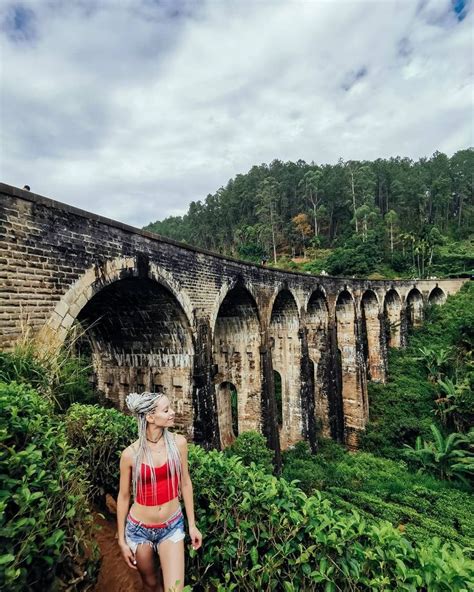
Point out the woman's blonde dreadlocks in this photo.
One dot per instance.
(141, 405)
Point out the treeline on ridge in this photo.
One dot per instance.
(395, 217)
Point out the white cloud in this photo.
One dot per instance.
(133, 108)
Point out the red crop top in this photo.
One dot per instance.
(166, 488)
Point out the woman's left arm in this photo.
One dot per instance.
(187, 491)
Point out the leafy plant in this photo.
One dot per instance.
(446, 456)
(251, 447)
(455, 401)
(435, 361)
(100, 435)
(45, 520)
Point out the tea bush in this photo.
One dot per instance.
(263, 533)
(100, 435)
(45, 521)
(252, 447)
(420, 505)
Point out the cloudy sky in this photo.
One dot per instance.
(133, 108)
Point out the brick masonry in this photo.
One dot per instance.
(167, 316)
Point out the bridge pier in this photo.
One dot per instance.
(286, 359)
(236, 353)
(372, 337)
(316, 321)
(393, 318)
(354, 394)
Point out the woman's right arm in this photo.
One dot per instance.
(123, 505)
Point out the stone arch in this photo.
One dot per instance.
(317, 304)
(140, 288)
(226, 287)
(392, 310)
(286, 358)
(320, 294)
(95, 279)
(345, 304)
(372, 336)
(282, 287)
(354, 395)
(139, 339)
(227, 413)
(414, 308)
(437, 296)
(236, 353)
(317, 323)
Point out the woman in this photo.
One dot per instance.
(157, 466)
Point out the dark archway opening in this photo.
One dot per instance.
(414, 308)
(437, 296)
(139, 339)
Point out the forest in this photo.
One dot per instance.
(394, 218)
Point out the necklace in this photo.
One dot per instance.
(155, 441)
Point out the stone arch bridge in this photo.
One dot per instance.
(215, 334)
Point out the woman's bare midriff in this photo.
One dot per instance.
(154, 514)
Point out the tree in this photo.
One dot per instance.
(445, 456)
(366, 216)
(391, 221)
(303, 227)
(462, 165)
(311, 182)
(362, 183)
(267, 195)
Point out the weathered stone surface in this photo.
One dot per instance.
(161, 315)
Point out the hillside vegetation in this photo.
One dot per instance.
(389, 217)
(431, 381)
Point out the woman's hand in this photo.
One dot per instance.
(196, 537)
(128, 555)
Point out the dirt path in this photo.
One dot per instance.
(114, 575)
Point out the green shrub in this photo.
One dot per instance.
(377, 487)
(263, 533)
(308, 475)
(100, 435)
(356, 258)
(447, 457)
(251, 447)
(45, 521)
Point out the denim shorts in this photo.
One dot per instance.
(137, 532)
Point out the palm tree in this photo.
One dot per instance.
(434, 360)
(445, 456)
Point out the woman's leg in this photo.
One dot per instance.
(148, 569)
(172, 564)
